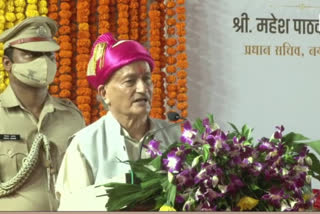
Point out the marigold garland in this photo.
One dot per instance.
(143, 32)
(157, 105)
(83, 43)
(113, 17)
(104, 15)
(123, 22)
(32, 8)
(134, 20)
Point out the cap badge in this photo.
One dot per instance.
(42, 31)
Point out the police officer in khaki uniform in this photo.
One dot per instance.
(34, 126)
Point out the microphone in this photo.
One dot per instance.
(174, 116)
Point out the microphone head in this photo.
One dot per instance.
(173, 116)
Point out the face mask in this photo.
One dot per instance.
(37, 73)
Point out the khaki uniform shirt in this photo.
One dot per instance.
(58, 120)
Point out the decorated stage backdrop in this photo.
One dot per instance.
(255, 62)
(157, 24)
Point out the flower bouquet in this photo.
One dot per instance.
(213, 170)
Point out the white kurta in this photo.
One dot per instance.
(93, 158)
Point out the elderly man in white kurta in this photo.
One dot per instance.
(121, 72)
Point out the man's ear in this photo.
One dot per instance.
(102, 91)
(7, 64)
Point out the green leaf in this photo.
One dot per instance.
(155, 182)
(199, 126)
(254, 187)
(156, 163)
(206, 151)
(293, 137)
(234, 127)
(314, 145)
(211, 119)
(315, 164)
(171, 191)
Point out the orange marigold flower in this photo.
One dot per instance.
(182, 82)
(156, 104)
(53, 16)
(171, 69)
(171, 21)
(181, 47)
(83, 58)
(65, 85)
(182, 106)
(171, 79)
(82, 74)
(64, 38)
(53, 8)
(64, 21)
(171, 51)
(103, 9)
(171, 102)
(82, 83)
(56, 80)
(171, 12)
(83, 43)
(66, 54)
(53, 89)
(182, 40)
(65, 61)
(184, 113)
(64, 30)
(84, 92)
(171, 4)
(83, 26)
(84, 107)
(181, 10)
(172, 94)
(171, 60)
(104, 2)
(182, 90)
(171, 42)
(180, 1)
(182, 56)
(65, 14)
(124, 37)
(171, 87)
(64, 93)
(181, 17)
(83, 50)
(83, 100)
(182, 74)
(64, 69)
(65, 77)
(182, 97)
(182, 64)
(171, 30)
(156, 77)
(65, 46)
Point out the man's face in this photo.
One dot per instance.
(24, 56)
(129, 90)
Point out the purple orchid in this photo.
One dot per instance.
(278, 133)
(189, 134)
(275, 196)
(153, 148)
(173, 162)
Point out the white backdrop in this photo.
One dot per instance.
(261, 91)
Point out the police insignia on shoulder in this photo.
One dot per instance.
(9, 137)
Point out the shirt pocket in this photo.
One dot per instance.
(12, 154)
